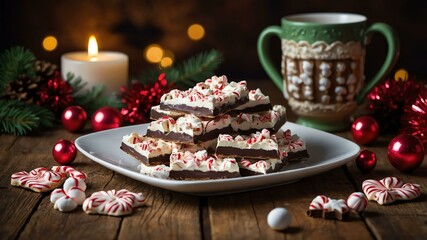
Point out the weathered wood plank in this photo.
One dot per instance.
(166, 214)
(30, 214)
(402, 220)
(245, 215)
(21, 154)
(77, 224)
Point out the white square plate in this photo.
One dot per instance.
(326, 151)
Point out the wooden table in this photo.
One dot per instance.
(170, 215)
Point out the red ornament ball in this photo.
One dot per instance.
(414, 119)
(106, 118)
(405, 152)
(366, 161)
(74, 118)
(64, 152)
(365, 130)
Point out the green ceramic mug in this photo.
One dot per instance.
(323, 57)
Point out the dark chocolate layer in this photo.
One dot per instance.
(294, 156)
(202, 111)
(254, 109)
(246, 153)
(320, 213)
(280, 122)
(171, 136)
(315, 213)
(163, 159)
(154, 115)
(198, 175)
(336, 215)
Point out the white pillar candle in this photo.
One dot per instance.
(106, 67)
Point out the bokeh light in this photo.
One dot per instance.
(153, 53)
(166, 62)
(167, 59)
(196, 32)
(401, 75)
(50, 43)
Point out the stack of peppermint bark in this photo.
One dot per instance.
(215, 130)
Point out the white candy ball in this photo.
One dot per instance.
(357, 201)
(65, 204)
(279, 218)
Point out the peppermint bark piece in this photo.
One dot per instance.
(185, 165)
(153, 152)
(291, 146)
(258, 102)
(247, 123)
(189, 128)
(148, 150)
(210, 98)
(260, 145)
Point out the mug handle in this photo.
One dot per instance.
(264, 56)
(390, 60)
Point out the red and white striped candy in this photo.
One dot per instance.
(318, 202)
(112, 202)
(38, 180)
(70, 172)
(68, 198)
(65, 204)
(389, 190)
(357, 201)
(408, 191)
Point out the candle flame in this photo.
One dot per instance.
(92, 49)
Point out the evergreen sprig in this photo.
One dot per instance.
(91, 99)
(14, 62)
(189, 72)
(20, 118)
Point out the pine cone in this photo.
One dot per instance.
(23, 89)
(44, 70)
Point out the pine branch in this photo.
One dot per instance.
(189, 72)
(14, 62)
(93, 98)
(195, 69)
(19, 118)
(76, 83)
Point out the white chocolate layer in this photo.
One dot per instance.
(256, 97)
(151, 147)
(159, 171)
(261, 166)
(267, 119)
(147, 147)
(190, 124)
(259, 140)
(210, 94)
(201, 161)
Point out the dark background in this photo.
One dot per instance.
(232, 27)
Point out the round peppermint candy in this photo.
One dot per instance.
(357, 201)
